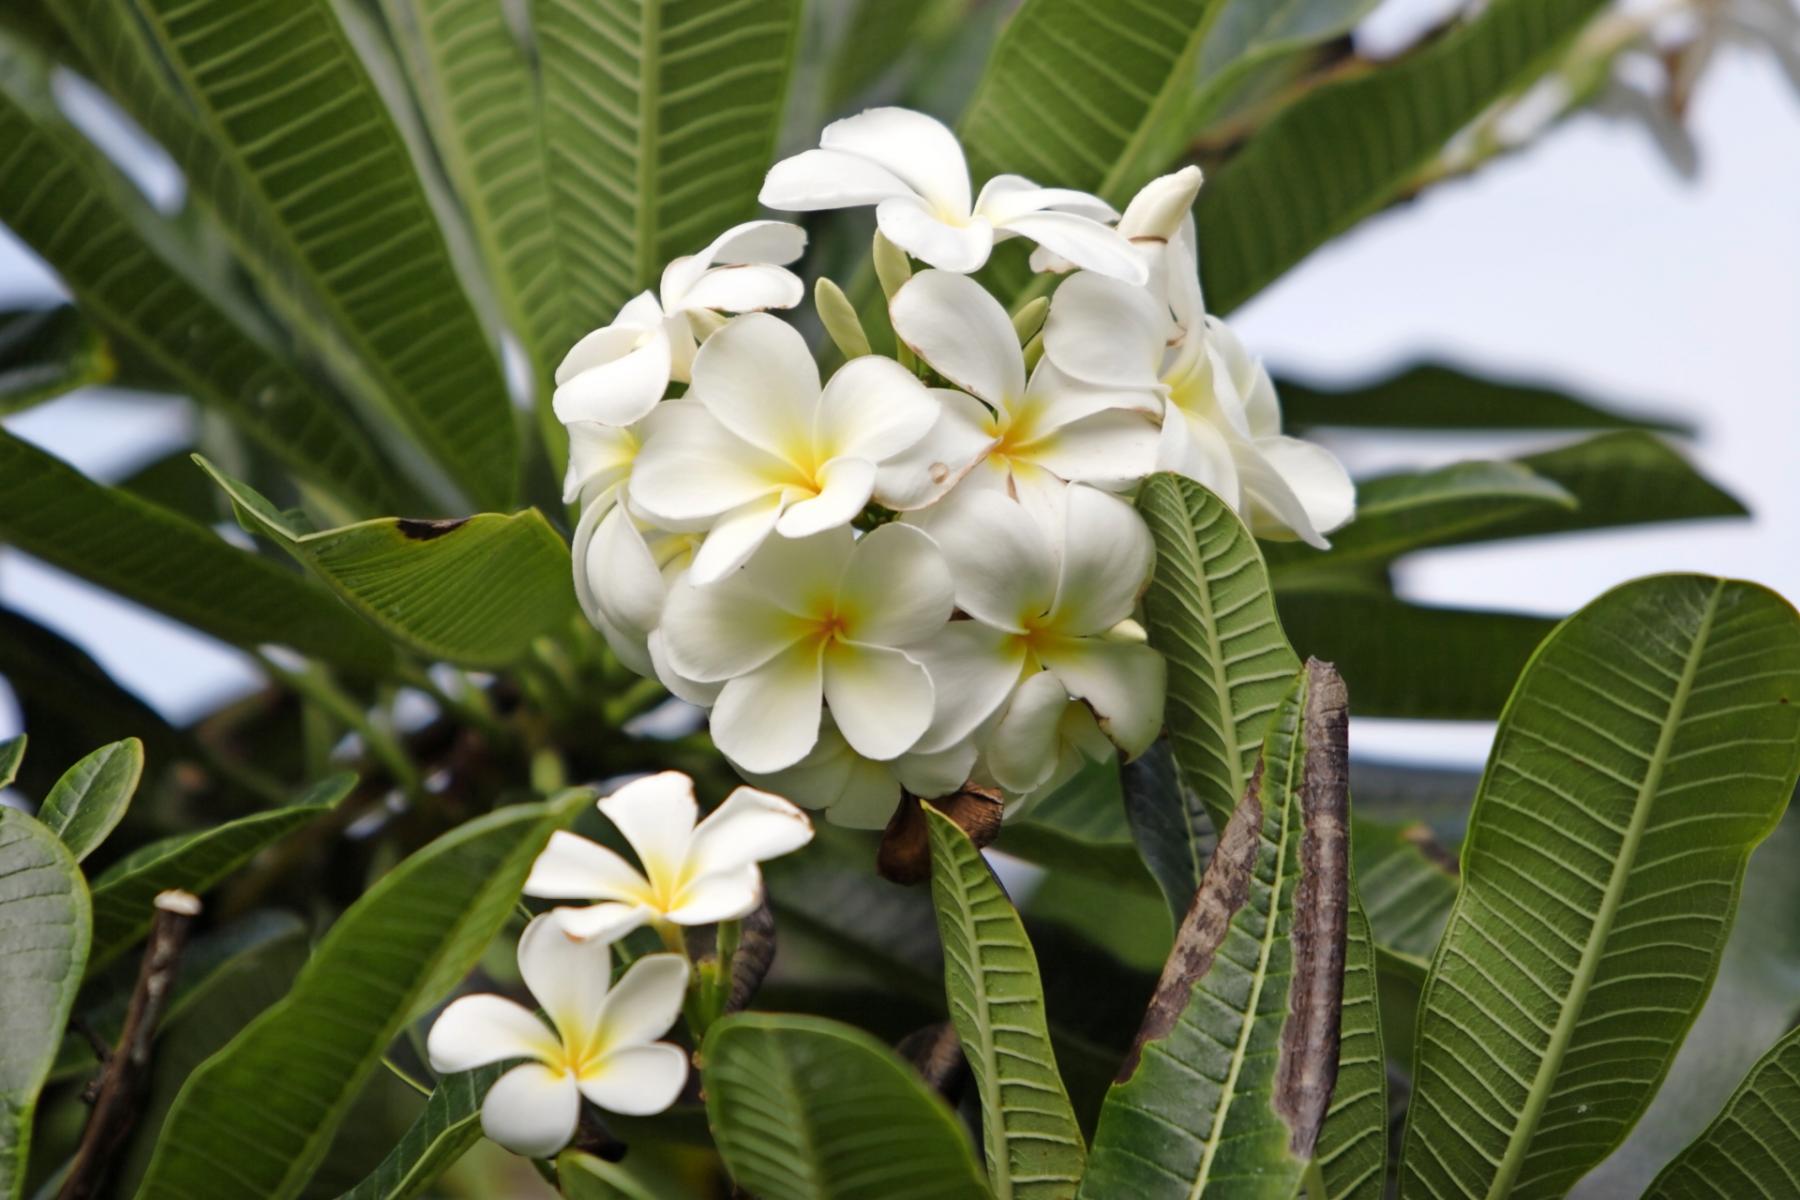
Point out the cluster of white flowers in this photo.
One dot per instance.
(920, 572)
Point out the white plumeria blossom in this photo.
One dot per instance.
(767, 450)
(1160, 213)
(616, 374)
(912, 169)
(599, 1043)
(693, 874)
(829, 619)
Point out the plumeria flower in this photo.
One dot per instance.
(615, 375)
(1222, 424)
(1053, 602)
(1160, 213)
(767, 450)
(600, 1041)
(814, 621)
(1032, 432)
(854, 791)
(911, 168)
(692, 874)
(1040, 742)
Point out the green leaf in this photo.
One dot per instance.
(12, 753)
(1352, 1154)
(43, 946)
(1230, 1078)
(1250, 35)
(1348, 148)
(45, 352)
(111, 538)
(879, 38)
(659, 124)
(584, 1177)
(475, 591)
(89, 799)
(324, 171)
(808, 1109)
(145, 285)
(1752, 1148)
(1407, 880)
(1649, 745)
(193, 862)
(1034, 1147)
(1400, 980)
(1408, 660)
(393, 953)
(448, 1127)
(1173, 830)
(1209, 611)
(1431, 396)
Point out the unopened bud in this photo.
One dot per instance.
(839, 317)
(1028, 320)
(891, 266)
(1155, 214)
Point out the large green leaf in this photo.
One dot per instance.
(1251, 35)
(1348, 148)
(449, 1125)
(45, 352)
(89, 799)
(1210, 612)
(395, 951)
(193, 862)
(1407, 880)
(1650, 744)
(1431, 396)
(1753, 1147)
(1034, 1147)
(1352, 1154)
(326, 173)
(808, 1109)
(133, 273)
(168, 563)
(475, 591)
(660, 122)
(1230, 1078)
(43, 946)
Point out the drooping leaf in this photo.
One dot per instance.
(43, 947)
(475, 591)
(447, 1128)
(1650, 744)
(193, 862)
(1173, 830)
(1347, 148)
(1352, 1153)
(12, 753)
(108, 537)
(1211, 614)
(1228, 1083)
(1752, 1148)
(89, 799)
(1430, 396)
(45, 352)
(131, 272)
(1407, 880)
(1034, 1147)
(808, 1109)
(395, 951)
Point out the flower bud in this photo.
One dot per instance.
(1156, 212)
(839, 317)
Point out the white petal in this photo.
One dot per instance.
(952, 323)
(896, 589)
(611, 342)
(799, 576)
(818, 179)
(750, 287)
(758, 379)
(1160, 206)
(921, 475)
(656, 814)
(604, 923)
(645, 1002)
(846, 485)
(567, 976)
(880, 698)
(474, 1031)
(752, 826)
(600, 456)
(1122, 682)
(774, 242)
(1249, 380)
(1022, 749)
(1107, 553)
(916, 228)
(1084, 242)
(1007, 196)
(617, 580)
(735, 537)
(573, 868)
(933, 775)
(1109, 449)
(916, 148)
(1106, 332)
(1000, 560)
(873, 409)
(700, 695)
(722, 631)
(693, 468)
(1192, 447)
(638, 1081)
(973, 669)
(856, 792)
(769, 718)
(532, 1110)
(619, 392)
(714, 898)
(1298, 486)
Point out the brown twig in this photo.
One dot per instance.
(127, 1071)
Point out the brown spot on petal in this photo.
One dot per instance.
(939, 472)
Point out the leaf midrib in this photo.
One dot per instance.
(1550, 1064)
